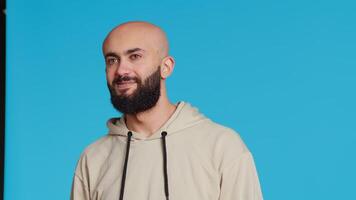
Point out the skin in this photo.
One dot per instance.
(136, 49)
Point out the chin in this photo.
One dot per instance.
(127, 93)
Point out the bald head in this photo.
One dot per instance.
(137, 63)
(138, 34)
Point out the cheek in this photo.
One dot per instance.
(110, 76)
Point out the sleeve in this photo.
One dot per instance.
(239, 180)
(80, 183)
(79, 189)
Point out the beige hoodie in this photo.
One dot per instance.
(198, 159)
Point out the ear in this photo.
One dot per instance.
(167, 66)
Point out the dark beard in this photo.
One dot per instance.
(143, 98)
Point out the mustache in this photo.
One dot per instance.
(121, 79)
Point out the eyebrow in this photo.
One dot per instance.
(129, 51)
(133, 50)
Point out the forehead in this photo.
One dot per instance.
(121, 41)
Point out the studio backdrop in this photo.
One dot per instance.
(281, 73)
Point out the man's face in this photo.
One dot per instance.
(133, 77)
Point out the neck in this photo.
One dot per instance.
(151, 120)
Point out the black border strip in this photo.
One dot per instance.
(2, 90)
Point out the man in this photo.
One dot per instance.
(158, 150)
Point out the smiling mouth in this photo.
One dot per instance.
(124, 85)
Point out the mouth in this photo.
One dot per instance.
(124, 85)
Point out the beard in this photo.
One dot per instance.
(143, 98)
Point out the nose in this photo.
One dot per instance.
(123, 68)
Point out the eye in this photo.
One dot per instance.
(135, 56)
(111, 60)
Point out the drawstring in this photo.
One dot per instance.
(166, 188)
(125, 166)
(164, 134)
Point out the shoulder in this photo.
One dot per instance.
(99, 147)
(96, 151)
(224, 136)
(227, 144)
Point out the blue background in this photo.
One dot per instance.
(281, 73)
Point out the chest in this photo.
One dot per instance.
(191, 174)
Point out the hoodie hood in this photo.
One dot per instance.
(183, 117)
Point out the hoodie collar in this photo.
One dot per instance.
(183, 117)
